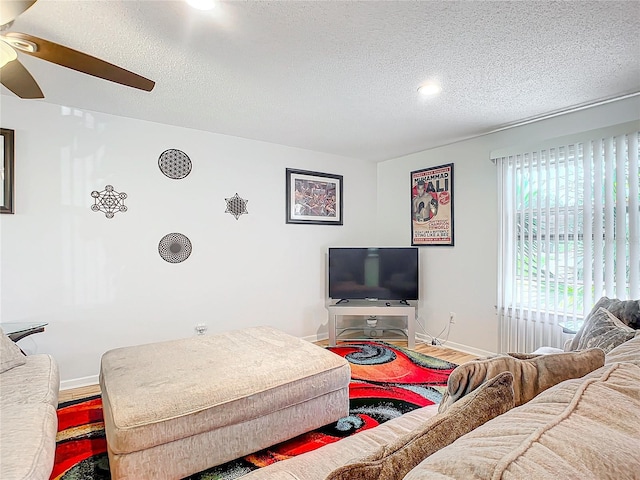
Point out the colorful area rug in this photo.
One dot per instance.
(386, 381)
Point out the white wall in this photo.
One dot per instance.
(101, 284)
(463, 278)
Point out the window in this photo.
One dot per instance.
(569, 234)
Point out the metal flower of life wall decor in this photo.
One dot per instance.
(174, 164)
(108, 201)
(236, 206)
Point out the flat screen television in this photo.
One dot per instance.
(384, 273)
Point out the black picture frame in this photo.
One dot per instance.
(6, 174)
(432, 197)
(313, 198)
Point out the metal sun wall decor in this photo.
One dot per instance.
(174, 163)
(108, 201)
(236, 206)
(174, 247)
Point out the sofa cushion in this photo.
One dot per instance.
(629, 351)
(602, 330)
(37, 381)
(627, 311)
(395, 460)
(28, 440)
(10, 354)
(603, 302)
(586, 428)
(532, 374)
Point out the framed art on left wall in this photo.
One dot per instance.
(6, 172)
(313, 197)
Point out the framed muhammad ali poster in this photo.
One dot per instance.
(432, 206)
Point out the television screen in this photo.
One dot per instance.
(383, 273)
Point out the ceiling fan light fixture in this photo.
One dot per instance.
(429, 89)
(7, 54)
(202, 4)
(20, 44)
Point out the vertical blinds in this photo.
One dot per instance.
(569, 227)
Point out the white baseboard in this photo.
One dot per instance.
(316, 338)
(467, 349)
(79, 382)
(458, 346)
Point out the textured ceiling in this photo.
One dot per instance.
(341, 76)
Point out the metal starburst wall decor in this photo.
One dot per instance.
(108, 201)
(236, 206)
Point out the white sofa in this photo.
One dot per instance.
(29, 387)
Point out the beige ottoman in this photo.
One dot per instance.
(175, 408)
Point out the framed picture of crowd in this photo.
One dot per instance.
(313, 197)
(432, 206)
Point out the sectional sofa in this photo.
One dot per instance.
(29, 387)
(580, 428)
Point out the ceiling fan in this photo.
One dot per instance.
(15, 77)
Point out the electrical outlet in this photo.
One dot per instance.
(201, 328)
(452, 318)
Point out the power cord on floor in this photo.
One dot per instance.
(447, 338)
(435, 341)
(424, 330)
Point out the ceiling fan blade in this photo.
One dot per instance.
(10, 9)
(17, 79)
(75, 60)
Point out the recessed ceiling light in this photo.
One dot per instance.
(202, 4)
(429, 89)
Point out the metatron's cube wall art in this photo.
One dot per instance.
(108, 201)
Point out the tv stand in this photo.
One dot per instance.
(403, 309)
